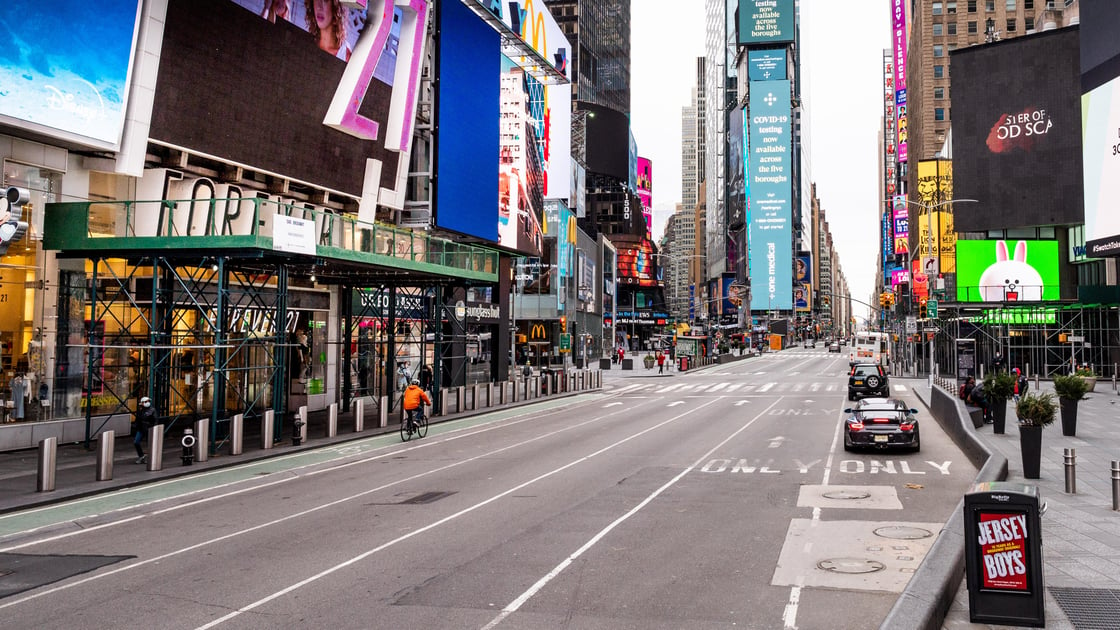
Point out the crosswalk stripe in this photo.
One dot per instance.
(717, 387)
(734, 386)
(668, 388)
(767, 387)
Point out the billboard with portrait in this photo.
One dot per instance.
(771, 191)
(899, 37)
(1009, 127)
(636, 261)
(766, 22)
(65, 67)
(901, 225)
(1007, 271)
(803, 297)
(645, 192)
(804, 269)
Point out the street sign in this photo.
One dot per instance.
(931, 309)
(911, 325)
(566, 342)
(1077, 338)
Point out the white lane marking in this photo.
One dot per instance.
(733, 387)
(716, 387)
(814, 387)
(798, 387)
(675, 403)
(767, 387)
(899, 388)
(612, 404)
(668, 388)
(463, 512)
(740, 403)
(789, 615)
(516, 604)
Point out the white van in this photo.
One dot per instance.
(869, 347)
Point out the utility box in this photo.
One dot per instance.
(1003, 554)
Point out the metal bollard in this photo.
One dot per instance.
(202, 446)
(1070, 456)
(237, 434)
(1036, 382)
(490, 394)
(1115, 486)
(155, 442)
(332, 420)
(268, 427)
(48, 459)
(105, 455)
(359, 415)
(460, 398)
(474, 397)
(383, 421)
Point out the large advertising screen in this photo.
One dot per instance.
(935, 186)
(770, 227)
(1102, 165)
(766, 65)
(766, 21)
(1007, 271)
(1016, 142)
(645, 192)
(65, 67)
(636, 261)
(520, 172)
(898, 35)
(901, 225)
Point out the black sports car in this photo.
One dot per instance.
(881, 423)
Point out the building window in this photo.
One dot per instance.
(939, 72)
(990, 5)
(952, 28)
(951, 6)
(938, 50)
(938, 93)
(938, 29)
(937, 8)
(1010, 25)
(939, 113)
(1028, 4)
(972, 27)
(1010, 5)
(972, 6)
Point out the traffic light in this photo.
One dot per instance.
(563, 324)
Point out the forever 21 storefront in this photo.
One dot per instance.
(197, 230)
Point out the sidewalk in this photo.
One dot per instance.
(1080, 532)
(76, 468)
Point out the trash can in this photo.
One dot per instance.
(1003, 554)
(683, 364)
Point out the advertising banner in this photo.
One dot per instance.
(804, 271)
(766, 65)
(766, 21)
(67, 67)
(645, 192)
(899, 36)
(898, 276)
(901, 225)
(1003, 549)
(771, 255)
(1099, 128)
(736, 169)
(935, 186)
(1007, 271)
(636, 265)
(803, 297)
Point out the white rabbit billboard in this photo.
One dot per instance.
(1007, 271)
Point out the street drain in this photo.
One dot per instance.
(846, 495)
(1089, 608)
(850, 565)
(901, 532)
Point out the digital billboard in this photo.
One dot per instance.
(770, 167)
(804, 270)
(520, 172)
(645, 192)
(1016, 141)
(766, 64)
(1101, 158)
(898, 36)
(609, 154)
(901, 225)
(65, 67)
(636, 261)
(736, 169)
(766, 21)
(803, 297)
(935, 185)
(1007, 271)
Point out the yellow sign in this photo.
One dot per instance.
(935, 185)
(537, 332)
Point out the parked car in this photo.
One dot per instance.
(868, 379)
(834, 347)
(809, 343)
(881, 423)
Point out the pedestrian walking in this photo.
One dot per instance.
(144, 420)
(1020, 384)
(660, 362)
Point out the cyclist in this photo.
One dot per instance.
(413, 396)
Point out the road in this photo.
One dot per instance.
(713, 499)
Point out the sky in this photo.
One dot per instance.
(841, 66)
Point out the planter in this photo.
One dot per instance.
(1069, 416)
(1090, 382)
(648, 363)
(1030, 447)
(999, 415)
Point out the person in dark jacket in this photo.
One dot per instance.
(145, 419)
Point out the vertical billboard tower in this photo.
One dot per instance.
(767, 28)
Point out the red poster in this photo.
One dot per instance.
(1003, 551)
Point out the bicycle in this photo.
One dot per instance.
(418, 425)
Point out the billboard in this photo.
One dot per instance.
(609, 154)
(766, 22)
(771, 190)
(636, 261)
(804, 271)
(1009, 128)
(1101, 159)
(935, 185)
(899, 37)
(645, 192)
(803, 297)
(520, 172)
(901, 225)
(65, 67)
(766, 65)
(1007, 271)
(736, 169)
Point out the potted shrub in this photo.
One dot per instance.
(1089, 375)
(648, 360)
(998, 387)
(1070, 389)
(1034, 411)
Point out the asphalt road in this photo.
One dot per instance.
(714, 499)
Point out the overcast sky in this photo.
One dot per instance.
(842, 87)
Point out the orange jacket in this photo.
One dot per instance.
(412, 397)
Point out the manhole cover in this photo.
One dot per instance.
(902, 532)
(846, 495)
(850, 565)
(1089, 608)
